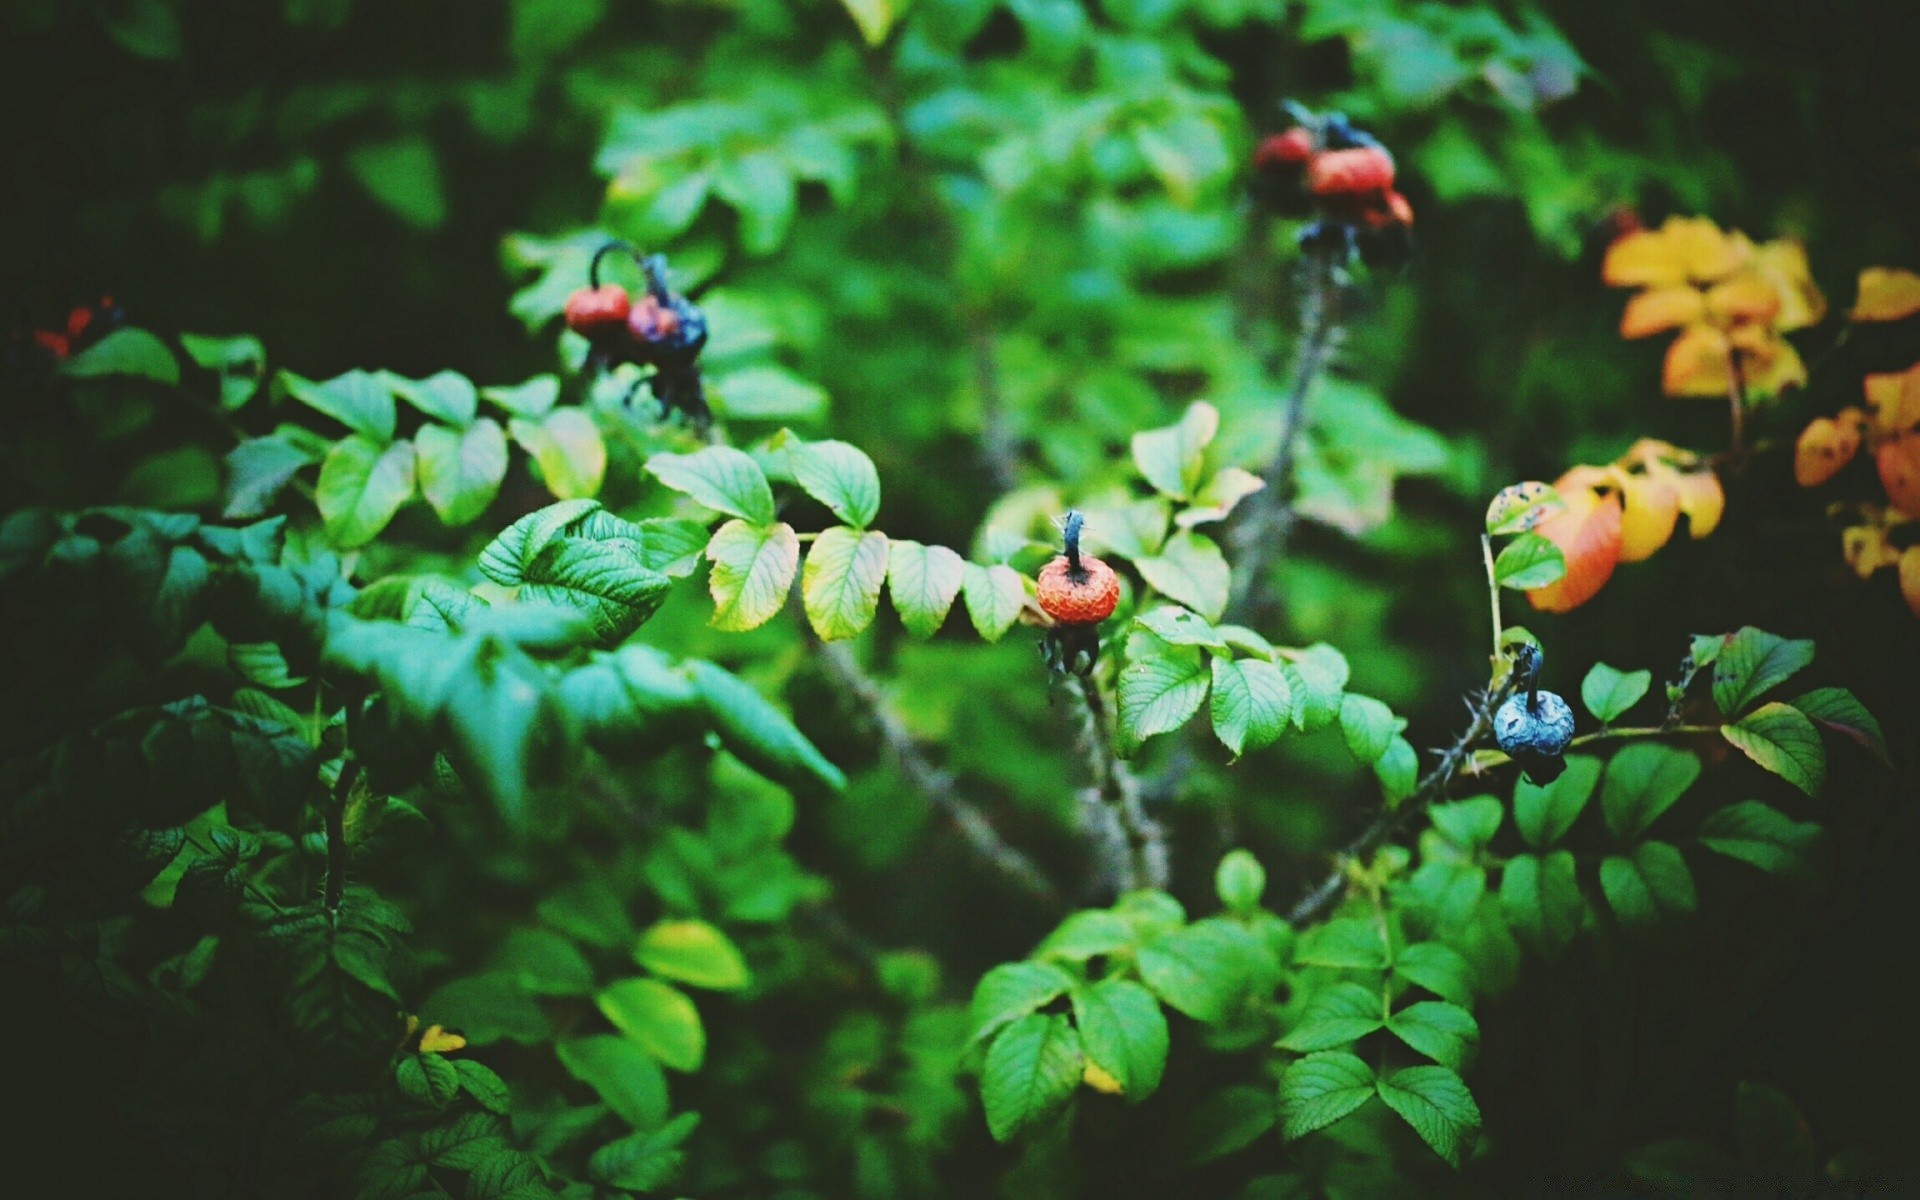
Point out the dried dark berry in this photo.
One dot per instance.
(1534, 729)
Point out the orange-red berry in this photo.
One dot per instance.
(592, 311)
(1292, 148)
(1353, 172)
(1086, 596)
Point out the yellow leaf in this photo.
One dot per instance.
(1587, 531)
(874, 17)
(1518, 507)
(1747, 296)
(1899, 462)
(1910, 578)
(438, 1041)
(1650, 508)
(1783, 261)
(1659, 309)
(1826, 445)
(1684, 250)
(1699, 363)
(1702, 501)
(1867, 547)
(1886, 294)
(1895, 400)
(1771, 364)
(1100, 1079)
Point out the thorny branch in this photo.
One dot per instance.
(1315, 904)
(1132, 844)
(1268, 516)
(936, 784)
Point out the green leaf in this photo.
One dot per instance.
(362, 485)
(532, 399)
(840, 585)
(1762, 836)
(240, 362)
(1781, 739)
(1011, 991)
(1446, 1033)
(874, 17)
(659, 1018)
(1438, 968)
(496, 711)
(461, 470)
(1345, 942)
(567, 447)
(1132, 530)
(1608, 693)
(1753, 662)
(257, 469)
(621, 1073)
(995, 595)
(1178, 627)
(1220, 496)
(1398, 770)
(1544, 813)
(1321, 1089)
(1643, 781)
(645, 1161)
(1239, 881)
(759, 734)
(488, 1091)
(1650, 883)
(508, 557)
(1191, 570)
(760, 187)
(693, 952)
(1529, 561)
(1159, 690)
(1469, 824)
(1322, 672)
(127, 352)
(923, 581)
(464, 1143)
(1541, 899)
(839, 476)
(721, 478)
(1337, 1014)
(763, 392)
(1173, 459)
(1085, 935)
(486, 1009)
(1201, 970)
(1252, 703)
(604, 582)
(1032, 1068)
(753, 569)
(1368, 725)
(358, 400)
(428, 1079)
(545, 963)
(1436, 1102)
(445, 396)
(1840, 711)
(1228, 1121)
(1124, 1033)
(404, 176)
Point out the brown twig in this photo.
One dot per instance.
(937, 785)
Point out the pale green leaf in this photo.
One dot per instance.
(693, 952)
(357, 399)
(1529, 561)
(840, 585)
(1783, 740)
(568, 448)
(995, 595)
(1191, 570)
(721, 478)
(362, 485)
(753, 569)
(1172, 459)
(659, 1018)
(625, 1076)
(923, 581)
(839, 476)
(461, 469)
(1011, 991)
(445, 396)
(1335, 1015)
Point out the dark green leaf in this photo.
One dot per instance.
(621, 1073)
(1436, 1102)
(1765, 837)
(1543, 814)
(1123, 1032)
(1337, 1014)
(1781, 739)
(1643, 781)
(1608, 693)
(1032, 1068)
(1444, 1032)
(1321, 1089)
(1751, 663)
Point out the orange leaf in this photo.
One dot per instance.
(1900, 472)
(1698, 363)
(1825, 446)
(1587, 531)
(1910, 578)
(1747, 296)
(1886, 294)
(1702, 501)
(1895, 400)
(1659, 309)
(1769, 363)
(1784, 263)
(1650, 510)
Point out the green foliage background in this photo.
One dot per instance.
(987, 251)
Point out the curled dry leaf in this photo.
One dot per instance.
(1886, 294)
(1587, 531)
(1895, 400)
(1899, 462)
(1867, 546)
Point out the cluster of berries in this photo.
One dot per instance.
(42, 350)
(661, 329)
(1325, 168)
(1078, 591)
(1534, 727)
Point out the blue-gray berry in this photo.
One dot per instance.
(1534, 729)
